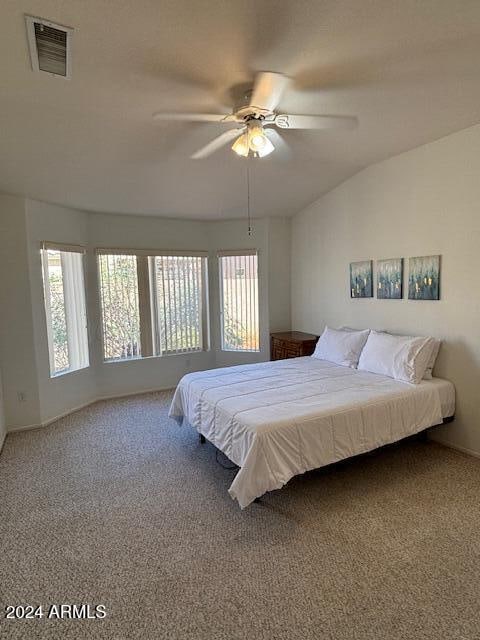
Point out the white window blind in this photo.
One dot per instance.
(153, 303)
(180, 295)
(239, 301)
(65, 308)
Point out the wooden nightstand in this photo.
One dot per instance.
(291, 344)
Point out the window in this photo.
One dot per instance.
(66, 317)
(120, 308)
(239, 301)
(179, 295)
(152, 304)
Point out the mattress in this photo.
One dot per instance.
(279, 419)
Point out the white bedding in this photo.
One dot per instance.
(279, 419)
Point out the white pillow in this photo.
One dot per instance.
(428, 375)
(400, 357)
(341, 347)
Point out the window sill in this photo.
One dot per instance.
(156, 357)
(66, 372)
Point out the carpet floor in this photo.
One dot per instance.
(117, 505)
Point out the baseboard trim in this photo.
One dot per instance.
(45, 423)
(456, 447)
(2, 441)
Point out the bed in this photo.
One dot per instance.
(279, 419)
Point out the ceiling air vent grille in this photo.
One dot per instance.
(50, 46)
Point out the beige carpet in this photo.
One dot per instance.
(117, 505)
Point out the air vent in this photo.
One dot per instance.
(50, 46)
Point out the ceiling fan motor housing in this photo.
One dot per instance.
(251, 112)
(243, 110)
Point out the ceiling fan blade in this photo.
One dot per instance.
(194, 117)
(288, 121)
(268, 90)
(217, 143)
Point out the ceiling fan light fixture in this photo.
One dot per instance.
(254, 141)
(256, 137)
(266, 149)
(240, 146)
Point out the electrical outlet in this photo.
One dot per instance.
(21, 396)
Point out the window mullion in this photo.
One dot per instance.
(145, 311)
(154, 311)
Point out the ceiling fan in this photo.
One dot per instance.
(255, 115)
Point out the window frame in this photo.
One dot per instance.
(232, 253)
(77, 339)
(118, 252)
(150, 341)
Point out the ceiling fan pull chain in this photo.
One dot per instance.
(248, 198)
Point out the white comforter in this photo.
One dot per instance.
(278, 419)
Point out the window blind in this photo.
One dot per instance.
(180, 282)
(239, 301)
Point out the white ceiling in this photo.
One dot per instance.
(408, 69)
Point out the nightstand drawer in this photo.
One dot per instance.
(291, 344)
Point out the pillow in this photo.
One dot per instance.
(400, 357)
(433, 356)
(341, 347)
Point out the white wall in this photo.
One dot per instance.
(3, 428)
(23, 334)
(279, 285)
(17, 344)
(423, 202)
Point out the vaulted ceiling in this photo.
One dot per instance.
(408, 69)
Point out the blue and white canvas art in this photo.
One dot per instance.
(424, 278)
(390, 279)
(361, 280)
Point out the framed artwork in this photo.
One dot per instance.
(424, 278)
(390, 279)
(361, 279)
